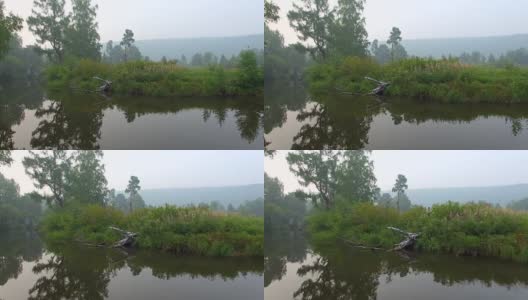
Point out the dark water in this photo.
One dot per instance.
(295, 270)
(32, 119)
(296, 120)
(31, 270)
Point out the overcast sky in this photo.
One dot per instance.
(155, 19)
(432, 19)
(426, 169)
(161, 169)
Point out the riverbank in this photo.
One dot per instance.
(183, 231)
(423, 79)
(158, 79)
(452, 228)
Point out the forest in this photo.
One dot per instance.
(341, 203)
(69, 55)
(334, 55)
(73, 204)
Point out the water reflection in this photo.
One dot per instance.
(39, 120)
(342, 272)
(351, 122)
(30, 270)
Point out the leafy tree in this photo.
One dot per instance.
(349, 36)
(381, 53)
(355, 177)
(127, 42)
(249, 74)
(49, 23)
(281, 211)
(87, 182)
(252, 208)
(183, 60)
(399, 188)
(82, 36)
(49, 170)
(271, 11)
(120, 202)
(9, 25)
(5, 157)
(132, 189)
(137, 202)
(394, 40)
(197, 59)
(313, 21)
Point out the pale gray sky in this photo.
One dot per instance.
(427, 169)
(161, 169)
(432, 19)
(166, 18)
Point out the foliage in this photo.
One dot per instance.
(5, 157)
(282, 212)
(424, 79)
(20, 64)
(271, 11)
(191, 230)
(82, 38)
(127, 42)
(328, 31)
(9, 25)
(159, 79)
(282, 62)
(16, 211)
(70, 176)
(399, 188)
(345, 173)
(473, 229)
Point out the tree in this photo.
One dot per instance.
(5, 157)
(399, 188)
(381, 53)
(132, 189)
(127, 41)
(9, 25)
(183, 60)
(197, 60)
(49, 170)
(249, 74)
(271, 11)
(394, 40)
(49, 24)
(120, 202)
(87, 183)
(313, 21)
(355, 177)
(82, 36)
(349, 36)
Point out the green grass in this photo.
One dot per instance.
(185, 231)
(141, 78)
(424, 79)
(452, 228)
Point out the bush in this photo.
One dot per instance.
(191, 230)
(423, 79)
(460, 229)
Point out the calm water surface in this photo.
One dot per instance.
(31, 270)
(32, 119)
(296, 120)
(296, 270)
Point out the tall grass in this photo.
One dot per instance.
(189, 231)
(154, 79)
(459, 229)
(424, 79)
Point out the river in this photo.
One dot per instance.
(33, 119)
(294, 269)
(296, 120)
(29, 269)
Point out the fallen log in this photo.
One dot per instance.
(380, 89)
(128, 240)
(408, 243)
(360, 246)
(106, 87)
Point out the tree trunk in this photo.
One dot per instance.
(409, 241)
(128, 240)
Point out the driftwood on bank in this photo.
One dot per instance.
(106, 87)
(128, 240)
(378, 91)
(409, 241)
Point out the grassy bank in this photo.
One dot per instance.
(460, 229)
(141, 78)
(424, 79)
(186, 231)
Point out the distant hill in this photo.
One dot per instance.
(495, 45)
(234, 195)
(493, 194)
(174, 48)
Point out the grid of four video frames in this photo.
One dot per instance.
(263, 150)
